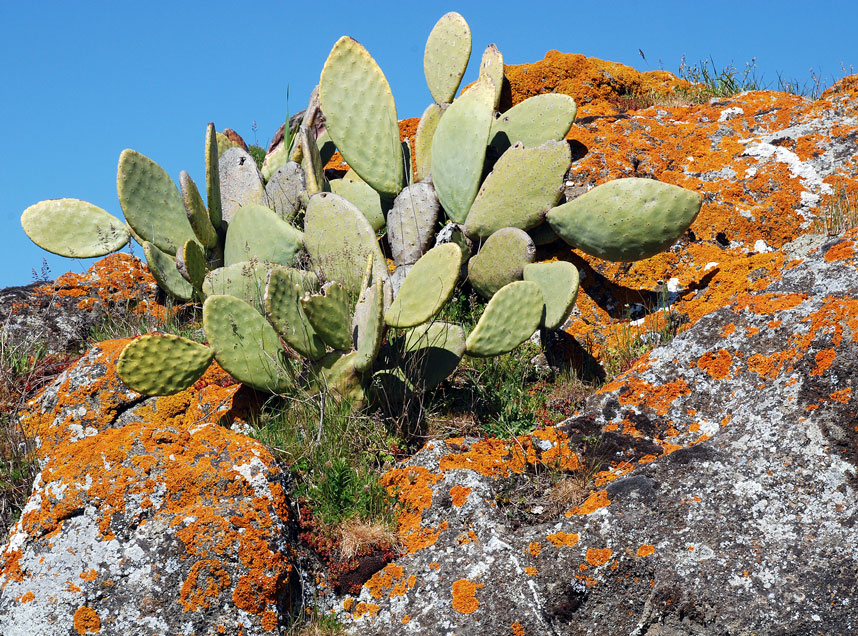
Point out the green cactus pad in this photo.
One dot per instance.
(240, 182)
(534, 121)
(339, 239)
(224, 143)
(431, 352)
(245, 281)
(212, 176)
(423, 139)
(337, 372)
(326, 145)
(367, 200)
(73, 228)
(274, 160)
(491, 66)
(360, 116)
(284, 189)
(426, 288)
(151, 202)
(255, 232)
(368, 326)
(245, 345)
(448, 49)
(559, 284)
(191, 263)
(627, 219)
(392, 387)
(196, 211)
(311, 162)
(523, 185)
(286, 313)
(162, 364)
(510, 318)
(328, 313)
(166, 273)
(500, 261)
(411, 222)
(542, 234)
(459, 149)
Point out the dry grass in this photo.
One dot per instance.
(356, 534)
(838, 215)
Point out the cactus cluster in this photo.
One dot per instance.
(290, 265)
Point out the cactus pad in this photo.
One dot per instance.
(166, 273)
(360, 116)
(212, 176)
(559, 284)
(500, 261)
(431, 352)
(368, 326)
(285, 312)
(151, 202)
(244, 344)
(423, 139)
(510, 318)
(284, 190)
(328, 313)
(491, 66)
(162, 364)
(411, 222)
(426, 288)
(367, 200)
(338, 373)
(339, 239)
(523, 185)
(244, 280)
(255, 232)
(240, 182)
(196, 211)
(74, 228)
(534, 121)
(445, 58)
(459, 149)
(626, 219)
(191, 263)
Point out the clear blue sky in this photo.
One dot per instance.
(81, 81)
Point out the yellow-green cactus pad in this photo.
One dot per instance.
(166, 273)
(366, 199)
(360, 116)
(423, 139)
(196, 211)
(368, 326)
(445, 58)
(500, 261)
(245, 345)
(459, 149)
(151, 202)
(510, 318)
(283, 307)
(245, 280)
(431, 352)
(559, 284)
(191, 263)
(336, 372)
(534, 121)
(339, 239)
(626, 219)
(255, 232)
(328, 313)
(73, 228)
(426, 288)
(491, 66)
(162, 364)
(523, 185)
(213, 176)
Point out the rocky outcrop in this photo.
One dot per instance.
(148, 516)
(727, 504)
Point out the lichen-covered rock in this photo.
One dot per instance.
(728, 504)
(148, 517)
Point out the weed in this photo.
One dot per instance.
(258, 154)
(180, 320)
(838, 215)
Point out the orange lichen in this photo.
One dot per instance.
(27, 597)
(532, 571)
(840, 252)
(386, 578)
(464, 596)
(87, 621)
(636, 392)
(269, 621)
(645, 550)
(517, 629)
(459, 495)
(533, 548)
(203, 585)
(561, 539)
(370, 609)
(594, 502)
(348, 603)
(843, 395)
(598, 556)
(716, 364)
(824, 359)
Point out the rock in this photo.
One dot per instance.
(284, 190)
(235, 138)
(241, 182)
(147, 516)
(726, 503)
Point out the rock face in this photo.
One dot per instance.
(147, 517)
(728, 504)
